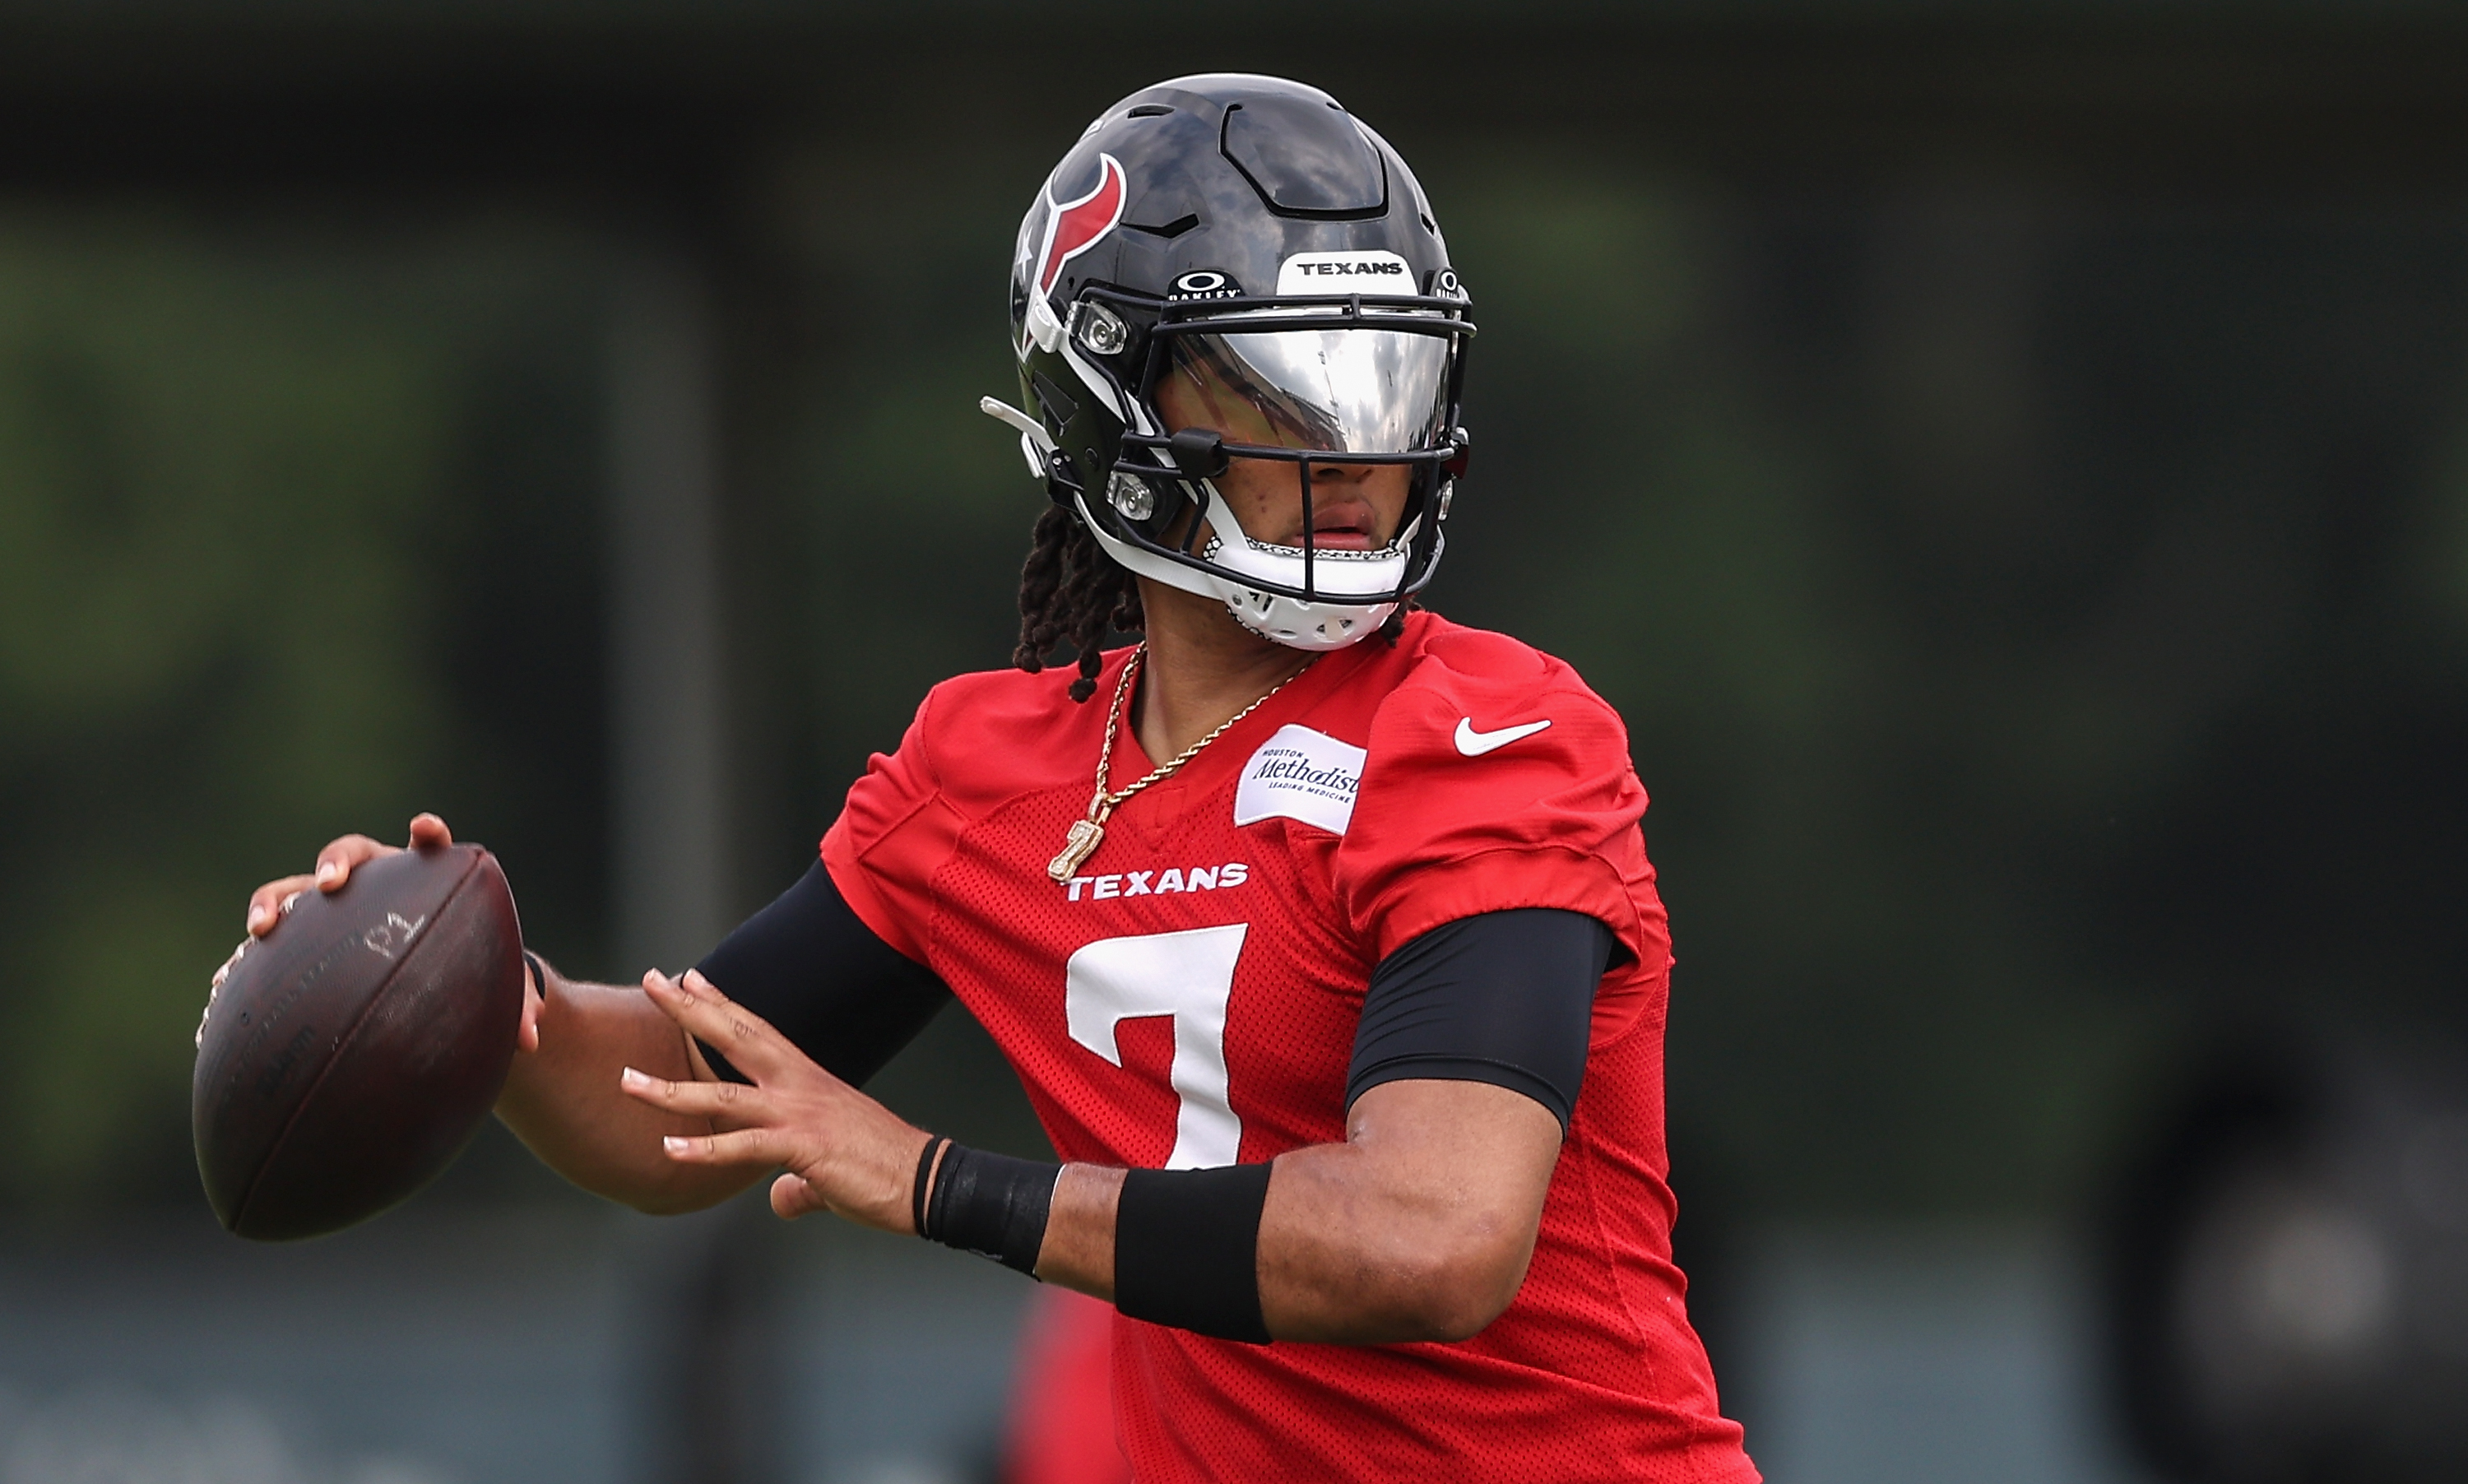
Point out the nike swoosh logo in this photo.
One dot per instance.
(1474, 744)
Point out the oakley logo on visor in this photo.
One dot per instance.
(1205, 283)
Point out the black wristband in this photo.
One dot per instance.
(990, 1204)
(921, 1188)
(1187, 1250)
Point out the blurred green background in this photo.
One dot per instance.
(289, 540)
(2029, 543)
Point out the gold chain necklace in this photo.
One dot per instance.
(1086, 835)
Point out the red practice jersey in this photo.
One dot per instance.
(1190, 998)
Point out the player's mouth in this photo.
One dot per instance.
(1344, 525)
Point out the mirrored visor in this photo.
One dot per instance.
(1338, 391)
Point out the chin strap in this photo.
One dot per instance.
(1036, 445)
(1029, 427)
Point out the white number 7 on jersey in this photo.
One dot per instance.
(1188, 975)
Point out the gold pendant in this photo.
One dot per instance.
(1082, 843)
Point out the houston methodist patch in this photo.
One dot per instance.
(1301, 774)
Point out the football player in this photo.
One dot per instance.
(1320, 928)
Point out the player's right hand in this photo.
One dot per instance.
(335, 863)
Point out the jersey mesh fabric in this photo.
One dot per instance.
(1183, 922)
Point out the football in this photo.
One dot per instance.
(347, 1057)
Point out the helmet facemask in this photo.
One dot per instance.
(1248, 234)
(1301, 383)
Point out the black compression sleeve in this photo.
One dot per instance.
(1502, 998)
(1187, 1250)
(809, 965)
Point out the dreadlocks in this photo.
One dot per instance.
(1071, 591)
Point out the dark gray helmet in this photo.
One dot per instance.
(1249, 227)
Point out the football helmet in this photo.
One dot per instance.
(1250, 234)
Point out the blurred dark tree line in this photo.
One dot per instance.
(2037, 611)
(294, 539)
(2041, 613)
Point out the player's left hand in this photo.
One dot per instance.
(844, 1151)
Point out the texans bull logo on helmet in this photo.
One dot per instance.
(1073, 227)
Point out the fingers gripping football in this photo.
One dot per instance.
(843, 1151)
(267, 905)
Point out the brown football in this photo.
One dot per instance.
(347, 1057)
